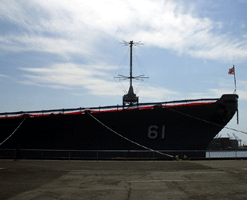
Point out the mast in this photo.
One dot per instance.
(131, 77)
(130, 98)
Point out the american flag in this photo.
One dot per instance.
(231, 71)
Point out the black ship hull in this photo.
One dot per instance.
(183, 126)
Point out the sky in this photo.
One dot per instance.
(64, 54)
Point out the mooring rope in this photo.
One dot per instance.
(13, 131)
(129, 139)
(205, 120)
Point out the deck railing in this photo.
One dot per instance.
(107, 108)
(123, 154)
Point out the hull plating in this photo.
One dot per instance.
(162, 128)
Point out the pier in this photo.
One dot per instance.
(83, 179)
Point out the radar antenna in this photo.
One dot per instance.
(130, 98)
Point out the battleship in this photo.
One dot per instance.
(160, 126)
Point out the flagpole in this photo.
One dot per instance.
(235, 80)
(233, 71)
(235, 91)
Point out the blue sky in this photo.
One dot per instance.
(64, 54)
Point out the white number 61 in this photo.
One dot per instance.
(153, 132)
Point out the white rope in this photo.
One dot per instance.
(206, 121)
(129, 139)
(13, 131)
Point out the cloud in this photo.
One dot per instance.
(228, 88)
(69, 28)
(157, 94)
(241, 93)
(58, 46)
(92, 79)
(68, 75)
(4, 76)
(77, 27)
(223, 86)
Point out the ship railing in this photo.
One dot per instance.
(74, 111)
(124, 154)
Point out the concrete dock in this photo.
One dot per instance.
(78, 179)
